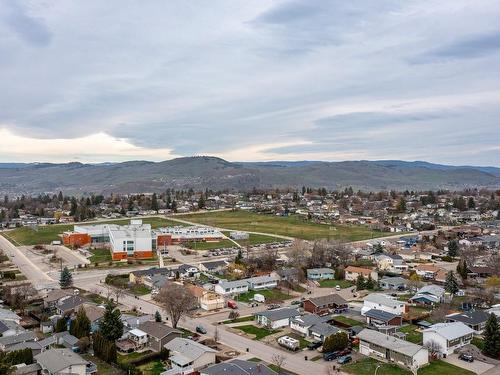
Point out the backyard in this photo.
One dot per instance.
(348, 321)
(411, 334)
(369, 365)
(292, 226)
(333, 283)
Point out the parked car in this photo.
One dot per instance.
(331, 356)
(337, 288)
(314, 345)
(466, 357)
(273, 306)
(232, 304)
(201, 329)
(344, 359)
(296, 303)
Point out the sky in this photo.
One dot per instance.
(108, 81)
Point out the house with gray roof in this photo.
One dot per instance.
(23, 337)
(69, 304)
(158, 334)
(320, 274)
(187, 356)
(225, 287)
(449, 337)
(393, 283)
(301, 324)
(64, 361)
(429, 295)
(238, 367)
(474, 319)
(321, 331)
(392, 349)
(276, 318)
(381, 318)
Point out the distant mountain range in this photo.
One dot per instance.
(202, 172)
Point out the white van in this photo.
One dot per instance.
(259, 298)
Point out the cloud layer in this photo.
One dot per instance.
(251, 80)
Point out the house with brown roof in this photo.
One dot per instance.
(158, 334)
(325, 304)
(206, 299)
(352, 273)
(427, 271)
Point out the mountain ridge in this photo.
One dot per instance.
(200, 172)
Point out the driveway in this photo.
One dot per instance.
(477, 367)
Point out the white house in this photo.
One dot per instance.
(188, 356)
(302, 324)
(262, 282)
(320, 274)
(140, 338)
(391, 263)
(276, 318)
(383, 302)
(231, 287)
(448, 337)
(390, 348)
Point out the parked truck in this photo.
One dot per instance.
(289, 343)
(232, 304)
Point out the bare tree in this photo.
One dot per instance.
(216, 334)
(440, 312)
(433, 347)
(177, 300)
(279, 361)
(298, 253)
(118, 293)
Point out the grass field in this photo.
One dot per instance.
(292, 226)
(272, 295)
(333, 283)
(369, 365)
(258, 332)
(45, 234)
(256, 239)
(100, 255)
(411, 334)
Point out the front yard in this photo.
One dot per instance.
(152, 368)
(122, 282)
(302, 341)
(368, 366)
(271, 295)
(333, 283)
(258, 332)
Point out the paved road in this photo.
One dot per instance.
(25, 265)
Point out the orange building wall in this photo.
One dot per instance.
(137, 255)
(76, 239)
(163, 240)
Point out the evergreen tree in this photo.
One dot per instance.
(61, 325)
(492, 337)
(337, 341)
(370, 284)
(111, 326)
(157, 316)
(360, 282)
(451, 284)
(471, 204)
(154, 202)
(80, 326)
(201, 201)
(66, 279)
(452, 248)
(401, 206)
(462, 268)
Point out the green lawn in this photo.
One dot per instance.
(368, 366)
(258, 332)
(122, 281)
(257, 239)
(248, 318)
(348, 321)
(293, 226)
(100, 255)
(45, 234)
(126, 358)
(333, 283)
(411, 334)
(152, 368)
(209, 245)
(103, 368)
(271, 295)
(478, 342)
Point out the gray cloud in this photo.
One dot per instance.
(328, 79)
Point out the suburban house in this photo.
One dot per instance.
(320, 274)
(473, 319)
(391, 263)
(21, 338)
(238, 367)
(69, 304)
(427, 271)
(392, 349)
(213, 267)
(206, 299)
(188, 356)
(325, 304)
(320, 331)
(140, 276)
(447, 337)
(383, 302)
(158, 334)
(291, 275)
(276, 318)
(303, 323)
(393, 283)
(381, 318)
(63, 361)
(51, 299)
(136, 339)
(95, 315)
(352, 273)
(429, 295)
(262, 282)
(231, 287)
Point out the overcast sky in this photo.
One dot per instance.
(109, 80)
